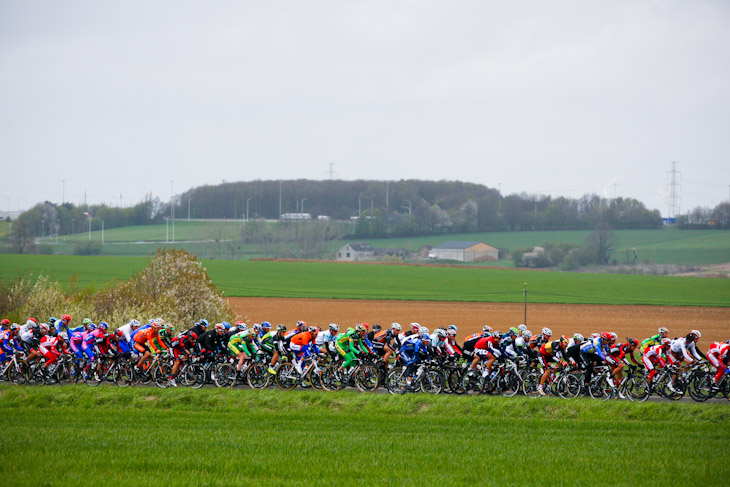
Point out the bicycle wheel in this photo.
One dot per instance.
(287, 376)
(257, 376)
(599, 388)
(225, 375)
(124, 374)
(432, 382)
(194, 376)
(637, 389)
(366, 378)
(700, 387)
(572, 386)
(90, 375)
(395, 381)
(472, 383)
(671, 391)
(511, 383)
(18, 374)
(530, 381)
(454, 381)
(161, 375)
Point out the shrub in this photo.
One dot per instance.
(45, 249)
(87, 247)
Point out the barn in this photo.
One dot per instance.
(356, 251)
(464, 251)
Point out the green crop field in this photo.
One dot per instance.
(76, 435)
(4, 229)
(665, 246)
(396, 282)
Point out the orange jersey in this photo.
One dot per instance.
(303, 338)
(151, 337)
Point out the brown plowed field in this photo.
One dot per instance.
(635, 321)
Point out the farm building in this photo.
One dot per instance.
(464, 251)
(356, 251)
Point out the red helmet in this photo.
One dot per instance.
(66, 317)
(33, 320)
(302, 323)
(367, 327)
(605, 335)
(5, 321)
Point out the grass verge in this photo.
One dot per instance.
(75, 435)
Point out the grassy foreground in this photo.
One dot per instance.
(76, 435)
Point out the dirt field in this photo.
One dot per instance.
(635, 321)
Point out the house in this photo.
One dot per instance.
(464, 251)
(356, 251)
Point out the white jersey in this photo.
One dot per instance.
(126, 331)
(26, 333)
(324, 338)
(680, 345)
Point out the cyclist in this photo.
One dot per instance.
(242, 346)
(349, 345)
(9, 342)
(654, 340)
(52, 348)
(147, 342)
(414, 350)
(623, 354)
(452, 348)
(209, 343)
(551, 352)
(65, 323)
(719, 355)
(572, 352)
(684, 351)
(655, 355)
(124, 337)
(594, 351)
(486, 347)
(270, 344)
(438, 344)
(325, 341)
(301, 343)
(182, 347)
(470, 341)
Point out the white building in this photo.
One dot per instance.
(464, 251)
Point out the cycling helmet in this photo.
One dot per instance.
(66, 317)
(595, 335)
(666, 341)
(513, 330)
(396, 326)
(204, 323)
(63, 335)
(578, 337)
(87, 321)
(334, 328)
(527, 334)
(45, 327)
(103, 325)
(164, 333)
(367, 327)
(522, 327)
(377, 327)
(547, 332)
(487, 328)
(220, 327)
(423, 329)
(266, 325)
(15, 327)
(632, 341)
(155, 325)
(614, 336)
(280, 328)
(226, 325)
(257, 327)
(360, 328)
(663, 329)
(32, 320)
(90, 327)
(453, 327)
(691, 337)
(415, 327)
(563, 339)
(605, 335)
(697, 333)
(134, 323)
(302, 323)
(497, 334)
(441, 333)
(425, 337)
(52, 320)
(313, 329)
(5, 322)
(452, 332)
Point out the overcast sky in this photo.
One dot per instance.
(559, 97)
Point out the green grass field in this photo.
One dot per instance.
(665, 246)
(364, 281)
(4, 229)
(76, 435)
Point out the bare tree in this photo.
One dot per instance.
(600, 243)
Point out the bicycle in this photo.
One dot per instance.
(16, 370)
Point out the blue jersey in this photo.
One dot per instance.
(595, 346)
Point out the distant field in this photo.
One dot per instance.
(218, 437)
(4, 229)
(665, 246)
(393, 282)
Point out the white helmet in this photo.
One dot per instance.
(595, 335)
(663, 329)
(578, 337)
(334, 327)
(487, 328)
(395, 326)
(423, 330)
(63, 335)
(415, 327)
(441, 333)
(697, 333)
(522, 327)
(547, 332)
(527, 334)
(134, 323)
(452, 332)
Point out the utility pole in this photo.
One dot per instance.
(102, 232)
(172, 210)
(247, 207)
(188, 209)
(499, 202)
(409, 207)
(387, 198)
(279, 201)
(524, 294)
(332, 171)
(674, 197)
(302, 208)
(63, 193)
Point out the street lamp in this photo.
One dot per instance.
(409, 206)
(249, 199)
(303, 200)
(167, 229)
